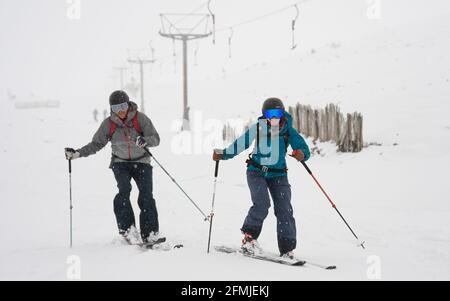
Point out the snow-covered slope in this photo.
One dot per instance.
(394, 196)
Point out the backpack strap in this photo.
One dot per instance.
(284, 121)
(286, 139)
(136, 124)
(257, 136)
(258, 126)
(112, 128)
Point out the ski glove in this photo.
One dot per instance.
(140, 142)
(71, 154)
(217, 155)
(298, 154)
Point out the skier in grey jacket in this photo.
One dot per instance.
(129, 131)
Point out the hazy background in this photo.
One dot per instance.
(46, 54)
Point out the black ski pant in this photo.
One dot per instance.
(142, 174)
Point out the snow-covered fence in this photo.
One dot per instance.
(327, 124)
(228, 133)
(231, 133)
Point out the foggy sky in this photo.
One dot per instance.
(46, 53)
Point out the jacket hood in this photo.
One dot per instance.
(289, 118)
(288, 124)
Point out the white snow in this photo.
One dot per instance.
(396, 197)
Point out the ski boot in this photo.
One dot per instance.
(151, 238)
(288, 255)
(250, 246)
(131, 236)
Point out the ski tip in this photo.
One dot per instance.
(178, 246)
(331, 267)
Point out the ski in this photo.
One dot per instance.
(325, 267)
(151, 245)
(266, 257)
(263, 257)
(160, 245)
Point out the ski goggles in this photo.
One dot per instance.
(119, 107)
(273, 113)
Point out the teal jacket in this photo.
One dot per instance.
(272, 148)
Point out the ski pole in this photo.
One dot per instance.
(70, 197)
(212, 206)
(332, 204)
(173, 180)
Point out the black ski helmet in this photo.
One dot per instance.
(272, 103)
(118, 97)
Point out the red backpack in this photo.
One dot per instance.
(135, 122)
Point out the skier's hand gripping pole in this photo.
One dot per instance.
(211, 215)
(360, 243)
(176, 183)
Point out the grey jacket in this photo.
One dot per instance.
(123, 141)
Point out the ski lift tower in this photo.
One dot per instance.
(139, 60)
(179, 27)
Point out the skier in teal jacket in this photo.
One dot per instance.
(267, 173)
